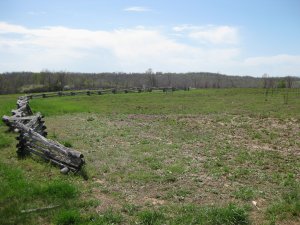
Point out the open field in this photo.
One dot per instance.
(197, 157)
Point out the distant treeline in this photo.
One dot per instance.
(30, 82)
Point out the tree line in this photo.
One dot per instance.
(47, 81)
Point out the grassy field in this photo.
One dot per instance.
(197, 157)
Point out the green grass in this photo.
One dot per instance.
(5, 140)
(205, 101)
(286, 207)
(23, 193)
(151, 218)
(227, 215)
(68, 217)
(197, 157)
(67, 144)
(244, 193)
(7, 103)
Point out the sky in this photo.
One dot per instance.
(234, 37)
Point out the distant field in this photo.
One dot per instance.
(188, 157)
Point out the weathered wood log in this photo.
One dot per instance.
(39, 127)
(24, 110)
(60, 160)
(51, 149)
(24, 118)
(51, 160)
(33, 122)
(21, 102)
(35, 119)
(21, 146)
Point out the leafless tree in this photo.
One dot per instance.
(289, 81)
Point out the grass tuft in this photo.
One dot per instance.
(60, 189)
(68, 217)
(244, 193)
(108, 218)
(229, 215)
(68, 144)
(148, 217)
(130, 209)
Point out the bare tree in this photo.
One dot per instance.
(265, 78)
(169, 79)
(289, 81)
(152, 81)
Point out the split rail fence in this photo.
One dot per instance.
(32, 130)
(32, 138)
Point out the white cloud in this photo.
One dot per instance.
(136, 9)
(128, 50)
(211, 34)
(219, 35)
(132, 49)
(11, 28)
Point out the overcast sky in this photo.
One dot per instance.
(237, 37)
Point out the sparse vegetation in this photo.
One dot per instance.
(198, 157)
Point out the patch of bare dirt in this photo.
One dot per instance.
(215, 155)
(106, 201)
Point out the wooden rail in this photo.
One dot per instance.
(32, 138)
(100, 92)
